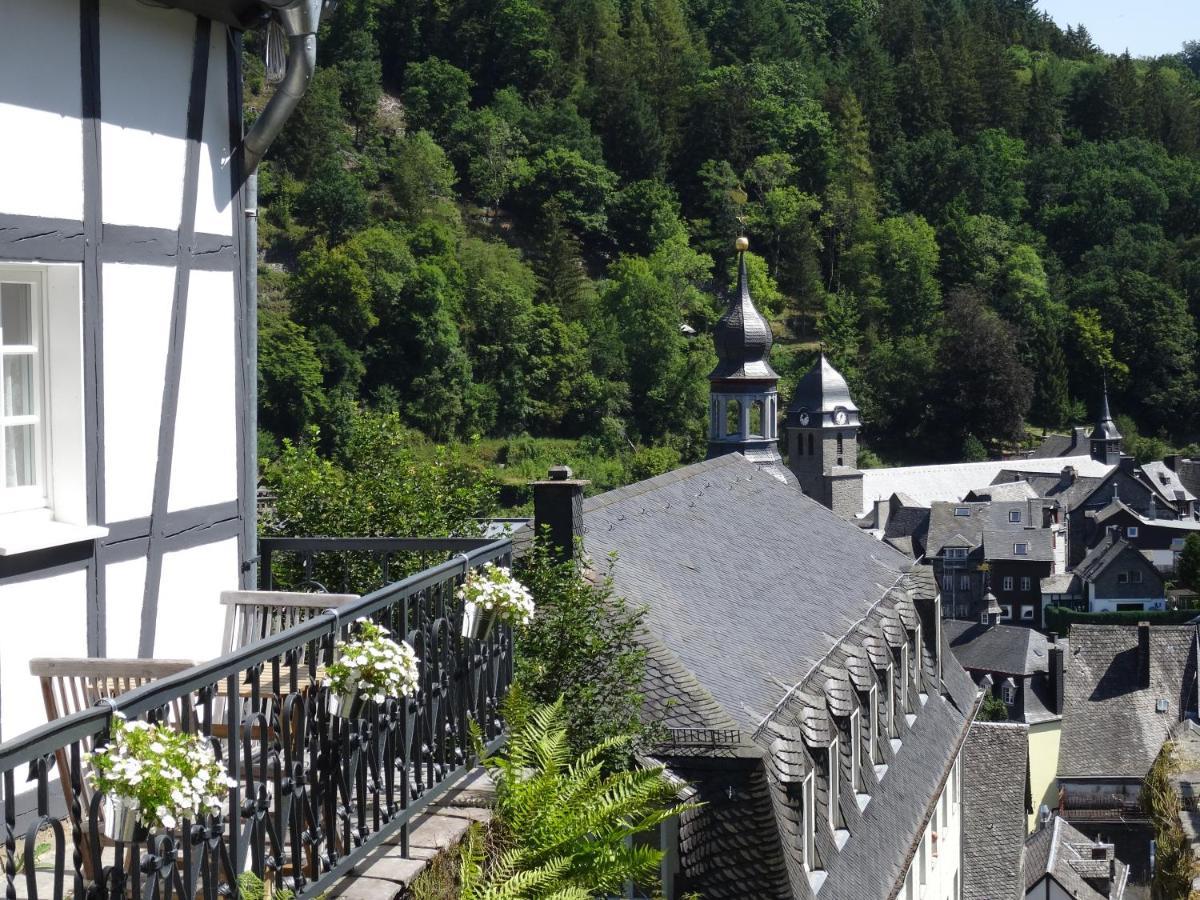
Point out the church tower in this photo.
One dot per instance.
(743, 388)
(1106, 439)
(822, 440)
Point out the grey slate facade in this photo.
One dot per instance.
(771, 624)
(996, 803)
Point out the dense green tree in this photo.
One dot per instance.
(908, 261)
(1189, 563)
(436, 96)
(333, 202)
(289, 376)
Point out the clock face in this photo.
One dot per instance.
(839, 417)
(803, 417)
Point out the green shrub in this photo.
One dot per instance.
(1060, 619)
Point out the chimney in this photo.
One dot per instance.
(558, 512)
(1144, 654)
(1057, 675)
(1068, 476)
(1127, 463)
(1171, 461)
(883, 510)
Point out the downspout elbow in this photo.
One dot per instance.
(300, 19)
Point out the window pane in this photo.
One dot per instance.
(19, 470)
(18, 385)
(16, 313)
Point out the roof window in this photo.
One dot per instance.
(1021, 549)
(962, 510)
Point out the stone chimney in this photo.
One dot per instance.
(1144, 654)
(1068, 476)
(558, 512)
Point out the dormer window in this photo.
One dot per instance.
(983, 618)
(873, 728)
(1008, 691)
(809, 825)
(956, 553)
(962, 510)
(1014, 515)
(855, 752)
(916, 673)
(1021, 549)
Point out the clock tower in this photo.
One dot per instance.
(822, 439)
(743, 396)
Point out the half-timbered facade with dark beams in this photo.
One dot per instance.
(127, 325)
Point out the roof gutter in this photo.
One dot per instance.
(300, 20)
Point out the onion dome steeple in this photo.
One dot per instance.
(742, 336)
(1106, 438)
(743, 396)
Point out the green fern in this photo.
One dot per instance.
(571, 822)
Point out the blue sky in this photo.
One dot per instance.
(1144, 27)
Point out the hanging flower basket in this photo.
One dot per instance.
(489, 595)
(152, 777)
(370, 667)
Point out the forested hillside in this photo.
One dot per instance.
(505, 217)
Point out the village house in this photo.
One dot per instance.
(127, 326)
(1159, 540)
(1127, 687)
(1113, 577)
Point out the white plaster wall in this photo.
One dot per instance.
(124, 593)
(145, 75)
(204, 469)
(42, 617)
(213, 214)
(137, 322)
(191, 618)
(1111, 605)
(41, 154)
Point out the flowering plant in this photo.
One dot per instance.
(374, 664)
(164, 774)
(493, 589)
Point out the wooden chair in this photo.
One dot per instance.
(70, 685)
(254, 615)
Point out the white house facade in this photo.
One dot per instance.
(126, 335)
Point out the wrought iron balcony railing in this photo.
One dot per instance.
(314, 793)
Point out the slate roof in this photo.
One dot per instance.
(994, 811)
(1110, 723)
(821, 390)
(947, 529)
(1100, 557)
(1003, 545)
(952, 481)
(1003, 649)
(1064, 853)
(1116, 506)
(768, 615)
(1012, 490)
(1061, 583)
(1166, 482)
(1058, 445)
(1070, 495)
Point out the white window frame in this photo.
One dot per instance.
(1131, 531)
(1021, 548)
(917, 657)
(38, 494)
(1122, 578)
(1026, 583)
(961, 511)
(956, 553)
(1008, 692)
(1005, 612)
(1135, 577)
(892, 731)
(809, 826)
(1014, 516)
(855, 751)
(1026, 613)
(1007, 583)
(56, 513)
(983, 618)
(964, 582)
(834, 785)
(903, 672)
(873, 733)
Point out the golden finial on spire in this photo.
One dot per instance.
(742, 244)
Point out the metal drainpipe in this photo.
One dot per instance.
(250, 260)
(300, 19)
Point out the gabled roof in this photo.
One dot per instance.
(1111, 725)
(1070, 493)
(949, 529)
(1116, 506)
(1166, 482)
(1111, 548)
(767, 617)
(995, 795)
(952, 481)
(1066, 854)
(1062, 444)
(1002, 649)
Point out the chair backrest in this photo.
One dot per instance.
(254, 615)
(73, 684)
